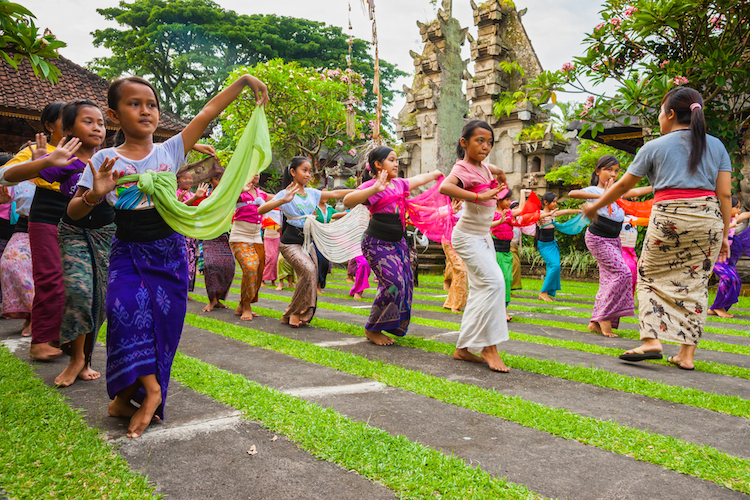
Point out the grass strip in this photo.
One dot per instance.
(702, 366)
(731, 405)
(700, 461)
(410, 469)
(48, 451)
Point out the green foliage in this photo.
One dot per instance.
(306, 112)
(19, 39)
(579, 172)
(648, 47)
(536, 133)
(188, 48)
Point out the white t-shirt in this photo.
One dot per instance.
(300, 205)
(168, 156)
(617, 214)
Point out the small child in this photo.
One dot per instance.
(730, 283)
(547, 245)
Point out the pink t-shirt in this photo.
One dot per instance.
(503, 231)
(471, 176)
(245, 210)
(5, 207)
(397, 186)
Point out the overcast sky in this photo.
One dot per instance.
(556, 28)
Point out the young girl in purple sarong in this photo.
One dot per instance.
(614, 299)
(384, 245)
(730, 283)
(148, 275)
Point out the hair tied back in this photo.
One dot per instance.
(695, 106)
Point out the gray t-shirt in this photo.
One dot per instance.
(665, 162)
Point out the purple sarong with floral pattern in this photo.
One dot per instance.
(391, 310)
(614, 299)
(146, 305)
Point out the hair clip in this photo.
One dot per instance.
(695, 106)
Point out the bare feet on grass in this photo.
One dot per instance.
(43, 352)
(378, 338)
(26, 331)
(722, 313)
(280, 286)
(491, 356)
(465, 355)
(357, 296)
(294, 321)
(594, 327)
(350, 279)
(603, 327)
(320, 290)
(545, 297)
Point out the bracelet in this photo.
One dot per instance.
(477, 198)
(86, 202)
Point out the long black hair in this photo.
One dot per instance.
(379, 154)
(735, 201)
(50, 114)
(548, 198)
(603, 162)
(72, 108)
(468, 131)
(687, 105)
(286, 178)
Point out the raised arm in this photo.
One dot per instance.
(636, 192)
(580, 194)
(104, 180)
(449, 187)
(358, 196)
(422, 179)
(291, 190)
(568, 211)
(219, 103)
(620, 188)
(60, 157)
(334, 195)
(498, 173)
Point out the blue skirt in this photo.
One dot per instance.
(550, 252)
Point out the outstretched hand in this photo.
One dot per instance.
(205, 149)
(63, 155)
(381, 182)
(40, 148)
(5, 196)
(259, 89)
(489, 194)
(105, 179)
(291, 190)
(201, 190)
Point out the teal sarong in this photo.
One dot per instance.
(550, 252)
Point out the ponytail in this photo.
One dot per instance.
(603, 162)
(378, 154)
(286, 177)
(687, 105)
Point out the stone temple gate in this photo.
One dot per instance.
(430, 123)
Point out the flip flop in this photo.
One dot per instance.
(639, 354)
(678, 365)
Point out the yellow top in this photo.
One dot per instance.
(25, 155)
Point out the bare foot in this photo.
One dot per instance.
(676, 360)
(279, 287)
(545, 297)
(455, 310)
(70, 373)
(88, 374)
(378, 338)
(722, 313)
(247, 314)
(357, 296)
(491, 356)
(238, 311)
(294, 321)
(609, 334)
(465, 355)
(208, 308)
(145, 415)
(219, 305)
(349, 279)
(320, 290)
(446, 286)
(508, 318)
(26, 332)
(119, 408)
(594, 327)
(43, 352)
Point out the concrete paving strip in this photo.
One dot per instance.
(337, 343)
(725, 432)
(548, 465)
(335, 390)
(201, 450)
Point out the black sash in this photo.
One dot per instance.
(101, 215)
(22, 226)
(48, 206)
(141, 225)
(606, 228)
(546, 235)
(386, 227)
(502, 246)
(6, 230)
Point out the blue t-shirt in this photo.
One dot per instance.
(168, 156)
(300, 205)
(617, 215)
(665, 162)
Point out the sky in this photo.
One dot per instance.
(556, 28)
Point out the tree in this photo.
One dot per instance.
(579, 172)
(651, 46)
(189, 47)
(19, 39)
(306, 112)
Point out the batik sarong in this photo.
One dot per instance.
(550, 252)
(730, 284)
(391, 309)
(17, 277)
(631, 260)
(247, 245)
(351, 267)
(305, 298)
(459, 286)
(146, 305)
(271, 248)
(284, 270)
(484, 323)
(85, 262)
(516, 284)
(192, 250)
(614, 299)
(362, 276)
(682, 244)
(505, 261)
(219, 267)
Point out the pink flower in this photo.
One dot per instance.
(630, 11)
(340, 142)
(615, 21)
(680, 80)
(344, 78)
(599, 26)
(352, 152)
(664, 63)
(361, 135)
(568, 67)
(596, 66)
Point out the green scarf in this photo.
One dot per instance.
(213, 216)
